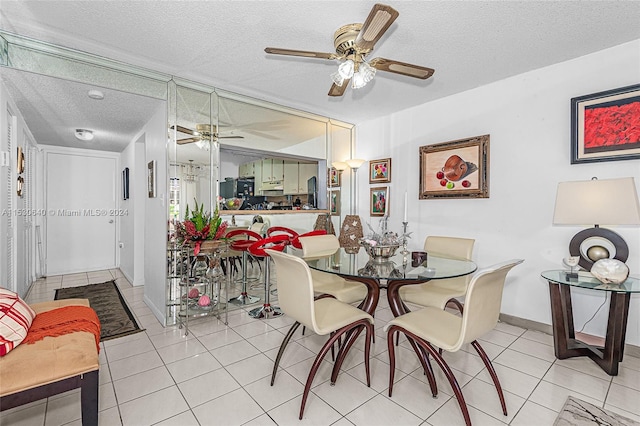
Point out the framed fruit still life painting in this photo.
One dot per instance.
(455, 169)
(605, 126)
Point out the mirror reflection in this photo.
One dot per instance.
(238, 154)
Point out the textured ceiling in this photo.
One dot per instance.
(222, 43)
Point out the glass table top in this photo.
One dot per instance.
(361, 265)
(586, 280)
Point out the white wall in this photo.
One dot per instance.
(132, 222)
(12, 207)
(126, 239)
(156, 216)
(528, 118)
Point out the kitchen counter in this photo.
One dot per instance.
(270, 212)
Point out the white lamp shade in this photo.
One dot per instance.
(340, 165)
(597, 202)
(355, 163)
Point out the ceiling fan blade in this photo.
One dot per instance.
(229, 137)
(403, 68)
(339, 90)
(304, 53)
(187, 140)
(378, 22)
(184, 130)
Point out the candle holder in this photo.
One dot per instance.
(405, 252)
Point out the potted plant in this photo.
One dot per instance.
(201, 229)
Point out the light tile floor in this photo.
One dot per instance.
(219, 375)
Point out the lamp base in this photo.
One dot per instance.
(597, 243)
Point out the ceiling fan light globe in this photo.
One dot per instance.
(346, 69)
(367, 71)
(337, 78)
(358, 81)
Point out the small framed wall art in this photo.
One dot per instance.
(20, 161)
(455, 169)
(125, 183)
(334, 199)
(378, 201)
(605, 126)
(334, 177)
(380, 171)
(151, 178)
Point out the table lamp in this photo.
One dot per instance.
(597, 202)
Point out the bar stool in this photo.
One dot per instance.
(278, 243)
(243, 246)
(281, 230)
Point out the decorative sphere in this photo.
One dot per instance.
(204, 300)
(610, 271)
(193, 293)
(596, 253)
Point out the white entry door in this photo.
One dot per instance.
(81, 213)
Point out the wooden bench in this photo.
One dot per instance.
(51, 366)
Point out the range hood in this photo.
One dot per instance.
(272, 186)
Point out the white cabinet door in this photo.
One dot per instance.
(277, 170)
(305, 172)
(257, 173)
(267, 174)
(290, 177)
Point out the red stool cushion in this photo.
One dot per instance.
(242, 245)
(277, 242)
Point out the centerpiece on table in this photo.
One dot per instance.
(380, 246)
(200, 229)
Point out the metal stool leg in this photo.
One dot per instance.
(266, 311)
(244, 298)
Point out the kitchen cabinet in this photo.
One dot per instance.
(272, 170)
(305, 172)
(290, 183)
(247, 170)
(257, 173)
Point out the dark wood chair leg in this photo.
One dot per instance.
(358, 325)
(392, 360)
(283, 345)
(492, 372)
(443, 366)
(423, 357)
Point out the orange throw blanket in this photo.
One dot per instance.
(65, 320)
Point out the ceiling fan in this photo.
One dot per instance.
(353, 42)
(203, 133)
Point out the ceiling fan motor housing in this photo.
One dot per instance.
(344, 39)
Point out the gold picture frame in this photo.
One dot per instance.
(380, 171)
(455, 169)
(334, 178)
(20, 163)
(334, 202)
(379, 201)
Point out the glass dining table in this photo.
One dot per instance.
(391, 273)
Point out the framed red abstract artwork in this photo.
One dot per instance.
(605, 126)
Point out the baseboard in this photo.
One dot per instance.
(160, 315)
(631, 350)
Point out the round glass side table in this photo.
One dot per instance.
(564, 340)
